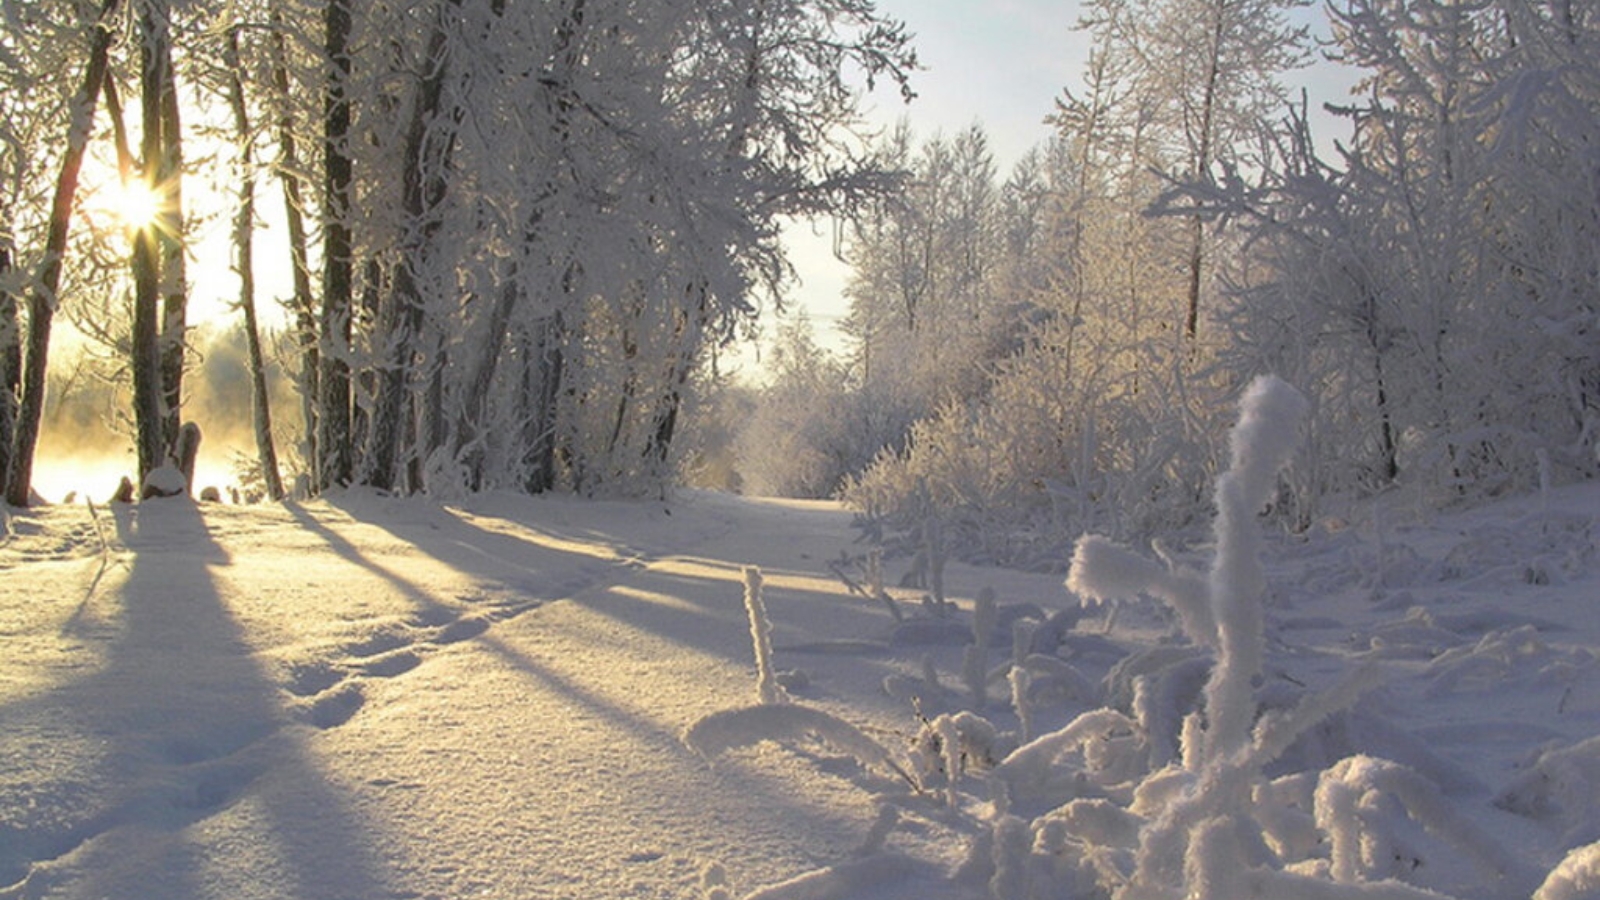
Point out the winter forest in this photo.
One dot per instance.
(520, 236)
(1301, 399)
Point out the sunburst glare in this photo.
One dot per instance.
(137, 203)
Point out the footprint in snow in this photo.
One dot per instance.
(336, 707)
(311, 679)
(392, 664)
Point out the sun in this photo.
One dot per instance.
(137, 204)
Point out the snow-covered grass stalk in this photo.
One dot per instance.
(1261, 445)
(1223, 611)
(1347, 809)
(1021, 680)
(767, 688)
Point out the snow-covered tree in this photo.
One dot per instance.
(1436, 281)
(51, 211)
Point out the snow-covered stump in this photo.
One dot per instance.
(164, 481)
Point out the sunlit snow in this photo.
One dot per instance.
(365, 698)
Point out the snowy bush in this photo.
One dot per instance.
(1187, 774)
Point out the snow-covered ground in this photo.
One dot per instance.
(367, 698)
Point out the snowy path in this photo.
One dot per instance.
(382, 699)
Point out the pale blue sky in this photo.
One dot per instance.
(998, 63)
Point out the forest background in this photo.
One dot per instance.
(521, 240)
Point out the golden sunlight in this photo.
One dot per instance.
(137, 203)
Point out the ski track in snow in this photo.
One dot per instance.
(370, 698)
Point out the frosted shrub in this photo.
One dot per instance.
(1050, 449)
(1200, 819)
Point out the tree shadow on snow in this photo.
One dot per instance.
(178, 753)
(700, 607)
(696, 603)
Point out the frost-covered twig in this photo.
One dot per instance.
(1103, 571)
(1344, 811)
(767, 688)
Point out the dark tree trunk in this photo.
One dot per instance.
(10, 365)
(366, 380)
(543, 366)
(302, 305)
(42, 297)
(244, 230)
(336, 463)
(1202, 172)
(149, 416)
(687, 333)
(1388, 445)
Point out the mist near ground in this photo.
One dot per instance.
(86, 442)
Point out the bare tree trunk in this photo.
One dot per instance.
(470, 430)
(687, 333)
(365, 383)
(433, 422)
(1202, 172)
(302, 305)
(336, 463)
(244, 230)
(1388, 444)
(42, 297)
(426, 424)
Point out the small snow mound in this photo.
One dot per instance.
(165, 481)
(1561, 788)
(733, 728)
(1577, 878)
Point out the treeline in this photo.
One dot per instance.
(1043, 354)
(515, 230)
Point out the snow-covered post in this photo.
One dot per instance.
(1261, 444)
